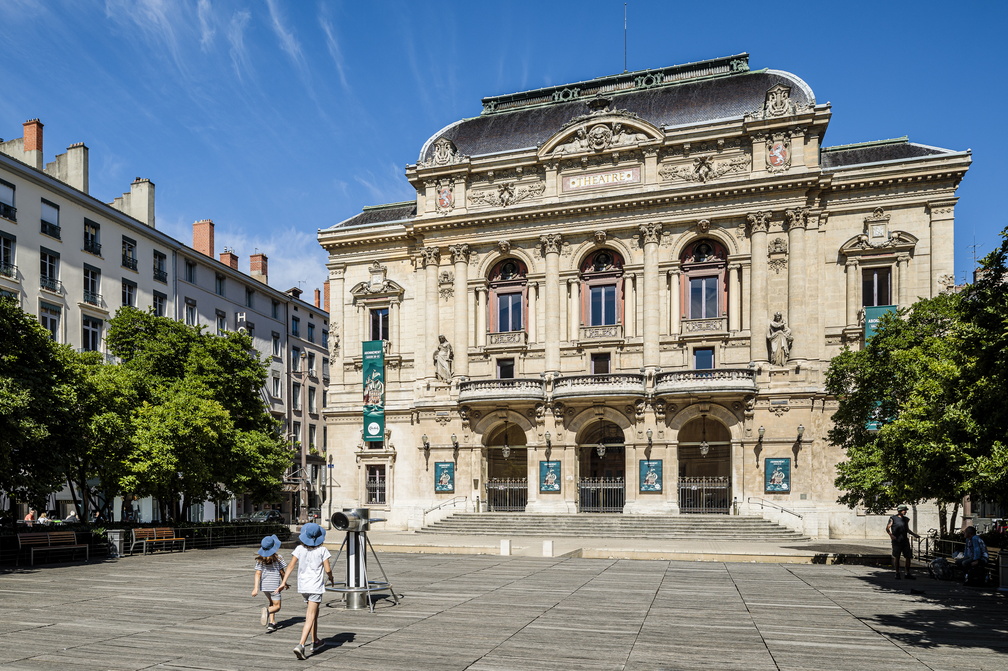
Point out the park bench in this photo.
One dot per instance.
(48, 541)
(155, 535)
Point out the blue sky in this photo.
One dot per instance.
(276, 118)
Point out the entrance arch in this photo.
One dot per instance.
(507, 469)
(704, 454)
(601, 468)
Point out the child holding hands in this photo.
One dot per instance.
(311, 559)
(268, 572)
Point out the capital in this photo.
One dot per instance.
(797, 218)
(459, 253)
(430, 256)
(551, 243)
(651, 232)
(759, 222)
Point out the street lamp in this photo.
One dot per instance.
(506, 449)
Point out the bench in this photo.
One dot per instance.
(42, 541)
(155, 535)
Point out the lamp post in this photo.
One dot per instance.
(303, 512)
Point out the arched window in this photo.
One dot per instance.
(602, 288)
(705, 294)
(508, 296)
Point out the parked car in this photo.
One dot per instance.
(314, 515)
(267, 516)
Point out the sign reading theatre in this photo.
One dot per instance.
(605, 178)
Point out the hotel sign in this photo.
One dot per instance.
(591, 180)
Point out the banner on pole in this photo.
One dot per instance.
(373, 370)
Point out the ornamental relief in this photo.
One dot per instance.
(444, 201)
(708, 147)
(778, 152)
(444, 153)
(706, 168)
(506, 194)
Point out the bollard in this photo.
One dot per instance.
(505, 547)
(547, 548)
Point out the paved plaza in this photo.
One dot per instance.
(194, 611)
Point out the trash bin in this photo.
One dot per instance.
(115, 542)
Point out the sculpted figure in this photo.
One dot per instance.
(779, 341)
(443, 357)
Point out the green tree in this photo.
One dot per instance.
(35, 424)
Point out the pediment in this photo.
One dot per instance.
(384, 289)
(600, 131)
(861, 245)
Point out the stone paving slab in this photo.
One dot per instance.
(180, 612)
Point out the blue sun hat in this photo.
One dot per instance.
(312, 535)
(269, 546)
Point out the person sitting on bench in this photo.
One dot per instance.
(974, 559)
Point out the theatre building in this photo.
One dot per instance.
(622, 296)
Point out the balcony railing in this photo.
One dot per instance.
(713, 381)
(160, 275)
(590, 386)
(511, 389)
(607, 332)
(8, 270)
(507, 339)
(52, 230)
(92, 247)
(92, 298)
(714, 325)
(51, 284)
(8, 211)
(129, 262)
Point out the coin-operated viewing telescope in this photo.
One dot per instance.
(357, 588)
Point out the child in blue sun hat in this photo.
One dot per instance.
(269, 568)
(311, 558)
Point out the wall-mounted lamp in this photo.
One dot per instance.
(549, 445)
(506, 449)
(704, 445)
(426, 449)
(798, 444)
(801, 432)
(762, 432)
(650, 436)
(455, 446)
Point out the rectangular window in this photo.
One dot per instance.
(296, 430)
(129, 293)
(49, 317)
(295, 359)
(325, 338)
(505, 369)
(311, 363)
(376, 484)
(276, 387)
(221, 323)
(311, 400)
(249, 297)
(50, 219)
(92, 241)
(379, 324)
(92, 285)
(190, 312)
(49, 270)
(600, 363)
(276, 344)
(325, 367)
(296, 327)
(296, 396)
(7, 266)
(160, 267)
(276, 310)
(219, 285)
(7, 209)
(509, 312)
(875, 286)
(160, 304)
(311, 436)
(190, 271)
(129, 253)
(703, 358)
(91, 332)
(603, 305)
(703, 298)
(311, 332)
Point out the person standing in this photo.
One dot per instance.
(269, 569)
(30, 517)
(899, 533)
(974, 558)
(311, 559)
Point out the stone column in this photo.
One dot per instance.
(797, 267)
(734, 297)
(629, 306)
(942, 242)
(675, 312)
(460, 257)
(746, 292)
(337, 321)
(758, 223)
(573, 310)
(431, 259)
(903, 279)
(551, 249)
(394, 325)
(853, 283)
(481, 316)
(532, 323)
(651, 233)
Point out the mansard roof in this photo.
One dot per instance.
(381, 214)
(722, 88)
(899, 148)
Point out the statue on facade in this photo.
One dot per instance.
(779, 340)
(443, 357)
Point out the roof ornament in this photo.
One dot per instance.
(444, 152)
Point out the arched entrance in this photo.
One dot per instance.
(601, 467)
(704, 466)
(507, 469)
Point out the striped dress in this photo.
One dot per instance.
(269, 581)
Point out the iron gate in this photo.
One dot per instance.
(704, 495)
(601, 495)
(507, 494)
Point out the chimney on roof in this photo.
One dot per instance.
(318, 298)
(33, 143)
(294, 292)
(325, 296)
(203, 237)
(259, 267)
(229, 258)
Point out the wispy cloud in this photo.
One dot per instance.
(204, 11)
(387, 186)
(236, 39)
(332, 44)
(288, 41)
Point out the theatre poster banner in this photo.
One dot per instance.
(373, 370)
(777, 476)
(549, 476)
(650, 475)
(444, 476)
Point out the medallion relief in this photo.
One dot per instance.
(506, 194)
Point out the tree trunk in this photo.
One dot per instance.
(955, 511)
(943, 519)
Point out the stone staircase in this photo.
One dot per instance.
(713, 527)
